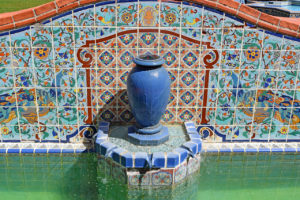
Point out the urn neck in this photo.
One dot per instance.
(149, 61)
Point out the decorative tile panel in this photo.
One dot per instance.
(57, 78)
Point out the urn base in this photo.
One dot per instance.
(148, 140)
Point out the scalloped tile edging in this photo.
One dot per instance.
(144, 160)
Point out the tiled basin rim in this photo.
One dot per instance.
(37, 14)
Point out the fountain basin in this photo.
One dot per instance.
(179, 156)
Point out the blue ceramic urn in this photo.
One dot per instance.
(148, 89)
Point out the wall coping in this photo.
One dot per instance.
(285, 26)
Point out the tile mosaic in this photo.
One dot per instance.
(190, 38)
(170, 14)
(127, 38)
(21, 38)
(212, 18)
(125, 115)
(67, 115)
(127, 14)
(10, 133)
(171, 57)
(63, 36)
(41, 36)
(65, 78)
(148, 14)
(232, 38)
(106, 58)
(253, 39)
(187, 97)
(5, 58)
(168, 39)
(172, 99)
(212, 36)
(9, 115)
(163, 177)
(21, 57)
(105, 14)
(45, 77)
(64, 57)
(270, 60)
(6, 77)
(26, 97)
(106, 37)
(192, 16)
(186, 114)
(65, 19)
(189, 59)
(148, 39)
(169, 115)
(66, 97)
(289, 60)
(45, 96)
(135, 178)
(125, 58)
(82, 35)
(231, 21)
(107, 78)
(29, 133)
(84, 16)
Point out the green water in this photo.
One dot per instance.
(232, 177)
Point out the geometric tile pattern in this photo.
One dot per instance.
(59, 78)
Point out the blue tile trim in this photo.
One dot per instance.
(126, 1)
(2, 150)
(275, 34)
(19, 30)
(104, 3)
(213, 10)
(67, 151)
(264, 150)
(62, 15)
(13, 150)
(225, 150)
(27, 150)
(83, 8)
(46, 22)
(4, 34)
(54, 151)
(292, 38)
(238, 150)
(234, 18)
(251, 150)
(40, 151)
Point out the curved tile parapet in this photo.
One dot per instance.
(234, 70)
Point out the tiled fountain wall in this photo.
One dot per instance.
(62, 76)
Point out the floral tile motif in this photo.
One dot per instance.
(64, 57)
(41, 36)
(127, 14)
(270, 60)
(63, 36)
(42, 57)
(4, 40)
(28, 115)
(289, 60)
(212, 18)
(127, 38)
(171, 57)
(64, 131)
(5, 56)
(189, 59)
(24, 77)
(49, 133)
(84, 16)
(66, 97)
(252, 39)
(278, 132)
(187, 97)
(162, 177)
(191, 16)
(82, 97)
(109, 114)
(230, 59)
(135, 178)
(169, 115)
(30, 133)
(147, 51)
(21, 38)
(106, 14)
(21, 57)
(81, 78)
(107, 78)
(45, 77)
(148, 14)
(125, 115)
(213, 37)
(67, 115)
(65, 78)
(10, 133)
(289, 44)
(170, 14)
(125, 58)
(272, 41)
(243, 133)
(169, 40)
(188, 79)
(148, 40)
(106, 58)
(225, 115)
(186, 114)
(107, 97)
(232, 38)
(6, 77)
(267, 79)
(286, 80)
(190, 38)
(84, 34)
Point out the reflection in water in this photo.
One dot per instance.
(76, 177)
